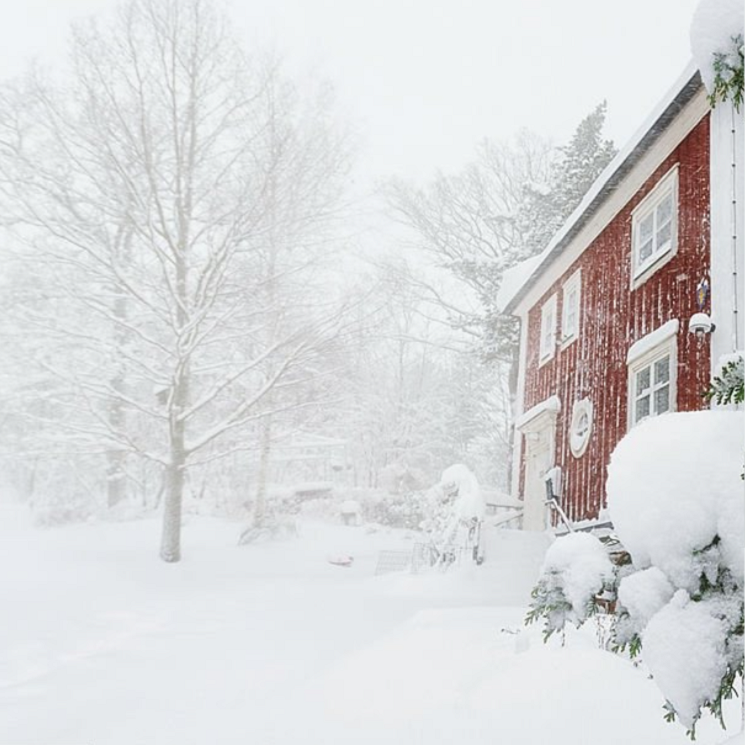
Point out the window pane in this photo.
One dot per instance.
(665, 210)
(664, 236)
(642, 380)
(642, 408)
(645, 251)
(662, 400)
(662, 371)
(646, 228)
(569, 330)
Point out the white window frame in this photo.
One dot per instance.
(641, 270)
(666, 348)
(547, 343)
(573, 284)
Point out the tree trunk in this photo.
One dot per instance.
(264, 455)
(115, 492)
(170, 547)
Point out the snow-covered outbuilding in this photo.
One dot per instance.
(606, 309)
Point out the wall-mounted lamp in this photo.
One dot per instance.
(701, 324)
(554, 482)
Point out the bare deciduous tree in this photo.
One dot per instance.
(175, 195)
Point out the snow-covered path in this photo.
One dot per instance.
(104, 644)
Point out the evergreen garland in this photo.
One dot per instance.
(728, 75)
(728, 387)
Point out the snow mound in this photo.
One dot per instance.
(674, 488)
(645, 593)
(582, 563)
(714, 24)
(470, 503)
(687, 636)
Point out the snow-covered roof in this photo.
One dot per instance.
(519, 283)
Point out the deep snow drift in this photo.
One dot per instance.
(104, 644)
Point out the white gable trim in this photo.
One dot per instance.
(691, 114)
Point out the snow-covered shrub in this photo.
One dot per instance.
(576, 570)
(406, 510)
(640, 595)
(717, 47)
(676, 499)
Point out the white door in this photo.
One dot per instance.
(538, 460)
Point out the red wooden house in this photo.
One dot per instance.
(605, 310)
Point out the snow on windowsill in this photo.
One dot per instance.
(650, 341)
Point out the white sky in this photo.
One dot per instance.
(425, 80)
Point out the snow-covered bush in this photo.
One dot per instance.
(676, 499)
(717, 46)
(576, 570)
(407, 510)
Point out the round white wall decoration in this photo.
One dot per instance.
(580, 429)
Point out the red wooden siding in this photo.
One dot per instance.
(613, 317)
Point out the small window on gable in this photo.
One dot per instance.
(548, 330)
(654, 228)
(570, 306)
(652, 382)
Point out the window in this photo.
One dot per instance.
(652, 382)
(548, 330)
(570, 308)
(654, 228)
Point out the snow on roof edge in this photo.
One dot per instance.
(681, 92)
(515, 277)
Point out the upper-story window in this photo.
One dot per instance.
(570, 306)
(652, 366)
(654, 228)
(548, 330)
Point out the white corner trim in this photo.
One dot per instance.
(551, 405)
(650, 341)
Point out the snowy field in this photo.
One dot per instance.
(103, 644)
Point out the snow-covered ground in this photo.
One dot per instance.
(102, 643)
